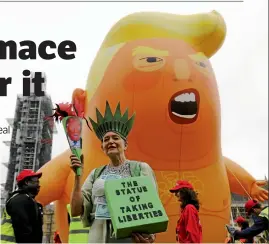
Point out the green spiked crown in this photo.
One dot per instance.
(117, 123)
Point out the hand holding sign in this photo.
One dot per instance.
(76, 163)
(71, 119)
(143, 238)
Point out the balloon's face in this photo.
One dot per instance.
(173, 91)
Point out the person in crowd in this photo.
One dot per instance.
(189, 229)
(261, 223)
(112, 131)
(243, 224)
(22, 219)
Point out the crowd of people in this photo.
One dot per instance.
(260, 217)
(22, 217)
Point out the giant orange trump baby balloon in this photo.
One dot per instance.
(157, 65)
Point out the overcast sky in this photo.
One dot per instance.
(241, 66)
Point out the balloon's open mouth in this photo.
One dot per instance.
(184, 106)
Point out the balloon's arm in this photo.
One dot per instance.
(62, 220)
(79, 101)
(239, 179)
(60, 167)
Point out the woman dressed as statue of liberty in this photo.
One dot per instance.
(89, 201)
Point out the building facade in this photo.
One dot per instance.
(32, 134)
(30, 147)
(3, 197)
(238, 204)
(48, 224)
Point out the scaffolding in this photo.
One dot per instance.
(31, 146)
(30, 129)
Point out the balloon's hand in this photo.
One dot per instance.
(257, 192)
(76, 163)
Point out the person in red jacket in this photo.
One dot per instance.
(189, 229)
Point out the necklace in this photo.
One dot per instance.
(115, 169)
(110, 165)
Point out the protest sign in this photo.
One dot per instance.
(73, 128)
(135, 206)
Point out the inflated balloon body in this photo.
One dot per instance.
(157, 65)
